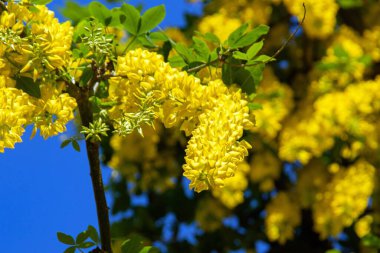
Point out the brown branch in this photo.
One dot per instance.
(85, 110)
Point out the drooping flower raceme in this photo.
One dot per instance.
(146, 88)
(343, 199)
(33, 47)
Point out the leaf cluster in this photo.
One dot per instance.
(84, 240)
(237, 56)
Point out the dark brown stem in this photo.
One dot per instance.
(85, 111)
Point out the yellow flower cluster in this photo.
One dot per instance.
(343, 63)
(372, 42)
(252, 11)
(15, 110)
(53, 111)
(49, 114)
(283, 215)
(276, 100)
(34, 42)
(321, 16)
(363, 225)
(339, 114)
(232, 194)
(214, 115)
(33, 45)
(219, 24)
(343, 199)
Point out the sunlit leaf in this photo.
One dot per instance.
(152, 18)
(132, 18)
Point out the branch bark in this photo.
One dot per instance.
(86, 114)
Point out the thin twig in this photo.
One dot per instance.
(292, 35)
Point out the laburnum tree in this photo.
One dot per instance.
(256, 124)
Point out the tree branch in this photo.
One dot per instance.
(86, 115)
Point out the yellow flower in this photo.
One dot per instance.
(343, 199)
(232, 194)
(15, 111)
(283, 215)
(215, 115)
(363, 226)
(53, 114)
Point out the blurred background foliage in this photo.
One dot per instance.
(311, 181)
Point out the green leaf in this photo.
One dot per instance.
(146, 41)
(340, 52)
(254, 49)
(227, 72)
(81, 52)
(70, 249)
(236, 35)
(250, 37)
(132, 245)
(86, 245)
(210, 37)
(257, 75)
(149, 249)
(201, 49)
(66, 239)
(152, 18)
(177, 61)
(158, 36)
(255, 106)
(75, 145)
(132, 18)
(185, 52)
(33, 9)
(239, 55)
(371, 240)
(81, 237)
(41, 2)
(80, 30)
(27, 85)
(93, 234)
(100, 12)
(214, 55)
(346, 4)
(365, 59)
(245, 79)
(262, 58)
(333, 251)
(86, 77)
(117, 18)
(65, 143)
(75, 12)
(259, 31)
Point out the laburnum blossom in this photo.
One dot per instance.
(146, 88)
(232, 194)
(34, 46)
(15, 108)
(343, 199)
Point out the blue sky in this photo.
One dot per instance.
(45, 189)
